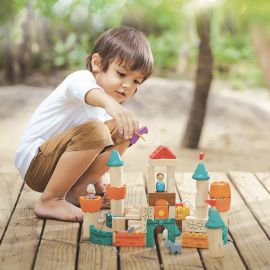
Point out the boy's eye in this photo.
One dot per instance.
(137, 82)
(121, 74)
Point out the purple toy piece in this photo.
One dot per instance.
(141, 131)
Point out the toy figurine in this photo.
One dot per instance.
(160, 185)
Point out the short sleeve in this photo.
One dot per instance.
(79, 83)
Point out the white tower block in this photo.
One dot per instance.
(116, 180)
(170, 179)
(116, 176)
(151, 186)
(214, 227)
(216, 247)
(225, 217)
(201, 196)
(89, 219)
(117, 207)
(202, 183)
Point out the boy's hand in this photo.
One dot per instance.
(126, 123)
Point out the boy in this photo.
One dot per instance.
(71, 134)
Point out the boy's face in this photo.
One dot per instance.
(118, 81)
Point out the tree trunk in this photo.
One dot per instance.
(204, 76)
(261, 44)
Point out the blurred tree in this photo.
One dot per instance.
(261, 43)
(202, 84)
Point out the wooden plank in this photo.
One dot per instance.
(92, 256)
(231, 260)
(58, 246)
(188, 259)
(264, 179)
(137, 257)
(255, 196)
(10, 186)
(248, 237)
(20, 242)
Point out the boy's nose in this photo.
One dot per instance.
(127, 85)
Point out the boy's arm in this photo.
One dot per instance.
(127, 125)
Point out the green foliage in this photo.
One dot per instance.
(165, 49)
(70, 28)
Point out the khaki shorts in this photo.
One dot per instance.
(91, 135)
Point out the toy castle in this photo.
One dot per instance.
(136, 226)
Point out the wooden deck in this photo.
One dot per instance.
(31, 243)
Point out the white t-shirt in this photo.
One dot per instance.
(64, 108)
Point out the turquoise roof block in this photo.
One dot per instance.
(201, 172)
(115, 159)
(214, 220)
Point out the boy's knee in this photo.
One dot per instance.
(91, 135)
(100, 130)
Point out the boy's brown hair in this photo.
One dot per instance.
(127, 44)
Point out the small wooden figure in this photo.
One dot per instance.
(160, 185)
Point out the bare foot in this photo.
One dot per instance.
(72, 198)
(58, 209)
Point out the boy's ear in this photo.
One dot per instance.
(96, 62)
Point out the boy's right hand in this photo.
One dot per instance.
(126, 123)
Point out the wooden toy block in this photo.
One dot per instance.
(179, 224)
(119, 224)
(202, 193)
(147, 212)
(137, 225)
(168, 196)
(171, 211)
(133, 213)
(100, 237)
(220, 189)
(89, 219)
(216, 247)
(162, 152)
(170, 179)
(225, 217)
(151, 187)
(223, 205)
(161, 212)
(117, 208)
(116, 193)
(116, 176)
(181, 212)
(126, 239)
(90, 204)
(201, 212)
(192, 224)
(162, 162)
(194, 240)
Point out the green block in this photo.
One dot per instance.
(169, 224)
(109, 220)
(100, 237)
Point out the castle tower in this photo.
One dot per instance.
(116, 191)
(157, 193)
(90, 206)
(220, 193)
(202, 183)
(214, 227)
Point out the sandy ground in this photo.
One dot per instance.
(235, 136)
